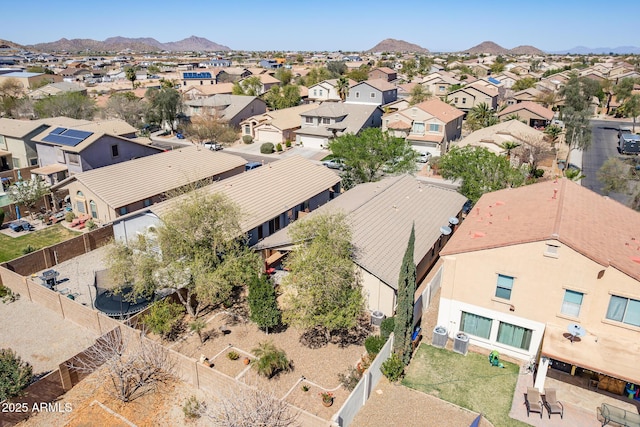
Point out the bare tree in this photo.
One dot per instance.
(532, 151)
(129, 366)
(252, 407)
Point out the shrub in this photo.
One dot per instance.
(350, 379)
(270, 360)
(1, 217)
(392, 368)
(163, 318)
(69, 216)
(374, 344)
(28, 249)
(305, 388)
(287, 143)
(233, 355)
(7, 296)
(538, 173)
(193, 408)
(247, 139)
(198, 326)
(91, 225)
(386, 327)
(266, 148)
(279, 147)
(15, 374)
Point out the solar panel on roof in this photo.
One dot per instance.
(80, 134)
(68, 137)
(57, 131)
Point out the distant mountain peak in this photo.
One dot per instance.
(119, 43)
(489, 47)
(393, 45)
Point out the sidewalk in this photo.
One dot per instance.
(254, 149)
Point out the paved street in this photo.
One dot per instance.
(603, 146)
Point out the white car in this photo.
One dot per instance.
(334, 164)
(423, 157)
(213, 146)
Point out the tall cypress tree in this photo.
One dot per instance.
(404, 311)
(263, 305)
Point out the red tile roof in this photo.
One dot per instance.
(440, 110)
(598, 227)
(399, 124)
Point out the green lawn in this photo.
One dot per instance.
(11, 247)
(468, 381)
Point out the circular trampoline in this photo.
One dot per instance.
(117, 305)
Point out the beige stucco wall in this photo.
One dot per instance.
(469, 282)
(378, 295)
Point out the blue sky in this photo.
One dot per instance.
(329, 24)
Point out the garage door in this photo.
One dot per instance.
(263, 135)
(313, 141)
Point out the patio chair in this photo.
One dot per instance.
(533, 401)
(552, 404)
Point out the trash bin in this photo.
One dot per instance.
(377, 317)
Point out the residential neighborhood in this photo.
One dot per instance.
(192, 234)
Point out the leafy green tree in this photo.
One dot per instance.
(15, 374)
(480, 171)
(497, 67)
(163, 317)
(342, 87)
(164, 105)
(508, 146)
(126, 106)
(424, 64)
(360, 74)
(198, 326)
(418, 94)
(368, 153)
(578, 92)
(337, 68)
(624, 88)
(210, 128)
(284, 75)
(403, 327)
(198, 248)
(263, 305)
(69, 104)
(251, 86)
(614, 175)
(481, 116)
(323, 288)
(11, 90)
(130, 73)
(577, 134)
(630, 108)
(153, 69)
(553, 132)
(28, 193)
(524, 83)
(279, 97)
(316, 75)
(410, 67)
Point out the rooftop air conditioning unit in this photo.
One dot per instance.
(440, 337)
(377, 317)
(461, 343)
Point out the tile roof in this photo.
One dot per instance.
(598, 227)
(134, 180)
(268, 191)
(113, 127)
(357, 116)
(385, 70)
(231, 104)
(18, 128)
(533, 107)
(440, 110)
(399, 124)
(380, 84)
(381, 214)
(286, 118)
(493, 136)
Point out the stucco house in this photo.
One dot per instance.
(332, 119)
(472, 95)
(82, 147)
(493, 137)
(326, 90)
(269, 198)
(528, 264)
(392, 205)
(231, 109)
(60, 88)
(276, 126)
(533, 113)
(16, 138)
(384, 73)
(377, 92)
(111, 191)
(438, 83)
(30, 80)
(427, 125)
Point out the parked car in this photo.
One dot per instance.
(179, 135)
(252, 165)
(423, 157)
(334, 164)
(623, 130)
(213, 146)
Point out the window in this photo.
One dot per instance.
(455, 100)
(552, 250)
(260, 233)
(476, 325)
(357, 95)
(464, 100)
(320, 92)
(123, 211)
(33, 161)
(571, 303)
(515, 336)
(247, 129)
(434, 127)
(114, 150)
(80, 206)
(326, 120)
(441, 88)
(625, 310)
(315, 92)
(274, 225)
(74, 159)
(3, 143)
(505, 284)
(147, 202)
(93, 208)
(308, 119)
(59, 156)
(373, 95)
(417, 128)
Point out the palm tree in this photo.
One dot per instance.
(508, 146)
(419, 94)
(481, 116)
(270, 359)
(130, 73)
(512, 116)
(553, 132)
(342, 86)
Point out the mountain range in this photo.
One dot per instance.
(115, 44)
(393, 45)
(582, 50)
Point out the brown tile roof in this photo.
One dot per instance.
(399, 124)
(440, 110)
(385, 70)
(380, 84)
(533, 107)
(598, 227)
